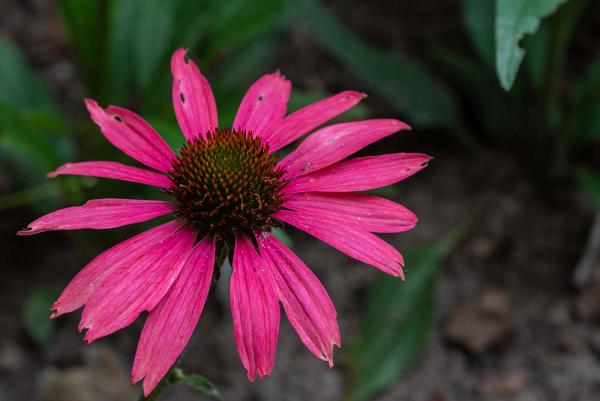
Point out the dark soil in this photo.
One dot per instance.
(525, 246)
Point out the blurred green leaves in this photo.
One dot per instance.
(21, 88)
(31, 129)
(406, 85)
(399, 317)
(235, 22)
(397, 323)
(585, 103)
(478, 18)
(514, 20)
(124, 45)
(36, 316)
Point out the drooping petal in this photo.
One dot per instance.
(360, 173)
(353, 241)
(116, 171)
(170, 324)
(264, 105)
(254, 309)
(335, 142)
(306, 302)
(310, 117)
(99, 214)
(91, 276)
(132, 135)
(367, 212)
(136, 286)
(193, 100)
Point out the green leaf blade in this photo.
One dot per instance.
(406, 85)
(197, 382)
(36, 316)
(514, 20)
(398, 321)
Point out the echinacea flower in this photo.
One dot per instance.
(227, 189)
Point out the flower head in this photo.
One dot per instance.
(227, 186)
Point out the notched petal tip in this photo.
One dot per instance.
(26, 231)
(54, 312)
(180, 53)
(400, 274)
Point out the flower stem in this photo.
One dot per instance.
(170, 378)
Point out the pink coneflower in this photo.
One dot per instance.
(227, 191)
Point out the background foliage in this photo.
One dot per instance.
(506, 88)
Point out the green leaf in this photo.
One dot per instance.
(235, 22)
(196, 381)
(588, 88)
(30, 127)
(590, 182)
(514, 20)
(36, 316)
(139, 46)
(87, 26)
(478, 17)
(585, 103)
(397, 323)
(406, 85)
(151, 38)
(500, 114)
(537, 47)
(19, 86)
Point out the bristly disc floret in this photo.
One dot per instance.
(225, 184)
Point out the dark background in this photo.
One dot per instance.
(509, 321)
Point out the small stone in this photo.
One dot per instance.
(12, 357)
(558, 315)
(482, 323)
(503, 385)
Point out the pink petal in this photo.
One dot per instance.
(116, 171)
(310, 117)
(360, 173)
(370, 213)
(306, 303)
(193, 100)
(335, 142)
(125, 253)
(136, 286)
(171, 323)
(264, 105)
(255, 310)
(132, 135)
(352, 240)
(99, 214)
